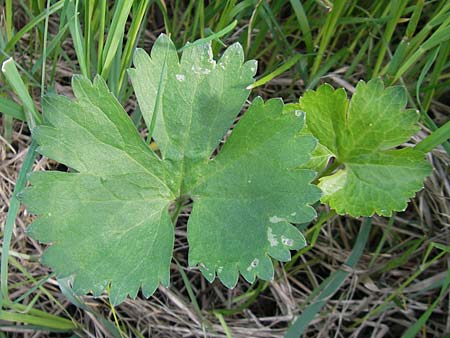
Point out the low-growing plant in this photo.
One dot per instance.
(110, 220)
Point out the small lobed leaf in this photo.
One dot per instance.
(362, 136)
(107, 220)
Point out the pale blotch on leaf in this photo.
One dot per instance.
(287, 241)
(298, 113)
(271, 237)
(180, 77)
(200, 70)
(276, 219)
(253, 264)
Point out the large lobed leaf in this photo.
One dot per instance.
(362, 136)
(108, 222)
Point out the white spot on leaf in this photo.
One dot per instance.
(298, 113)
(271, 237)
(200, 70)
(287, 241)
(276, 219)
(180, 77)
(293, 214)
(253, 264)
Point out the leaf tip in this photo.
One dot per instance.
(5, 64)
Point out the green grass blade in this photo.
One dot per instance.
(115, 34)
(189, 290)
(44, 51)
(331, 62)
(330, 286)
(280, 70)
(42, 323)
(9, 19)
(10, 108)
(225, 327)
(304, 24)
(30, 25)
(329, 30)
(437, 137)
(415, 17)
(132, 37)
(415, 328)
(55, 43)
(12, 75)
(101, 35)
(436, 38)
(11, 217)
(434, 79)
(78, 40)
(424, 72)
(396, 9)
(64, 284)
(211, 37)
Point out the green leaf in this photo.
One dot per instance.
(108, 221)
(199, 97)
(362, 136)
(246, 198)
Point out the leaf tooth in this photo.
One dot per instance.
(52, 258)
(98, 288)
(229, 275)
(249, 70)
(264, 269)
(280, 253)
(117, 294)
(83, 284)
(79, 85)
(249, 272)
(42, 230)
(208, 271)
(149, 286)
(134, 291)
(282, 238)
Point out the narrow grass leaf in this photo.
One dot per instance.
(416, 327)
(41, 323)
(12, 75)
(437, 137)
(280, 70)
(211, 37)
(115, 34)
(303, 23)
(10, 108)
(332, 285)
(10, 220)
(30, 25)
(78, 40)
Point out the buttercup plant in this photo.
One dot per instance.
(108, 220)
